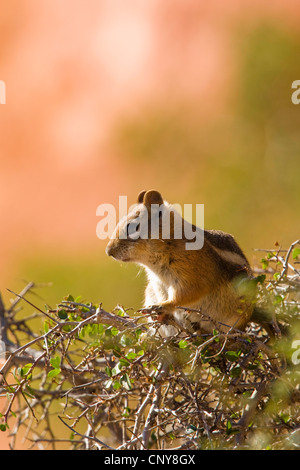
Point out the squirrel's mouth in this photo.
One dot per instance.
(118, 253)
(125, 260)
(119, 257)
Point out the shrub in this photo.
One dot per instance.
(97, 379)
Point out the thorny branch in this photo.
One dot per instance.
(92, 379)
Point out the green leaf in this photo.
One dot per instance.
(296, 253)
(131, 355)
(55, 362)
(116, 351)
(285, 417)
(15, 372)
(260, 279)
(120, 312)
(138, 333)
(264, 263)
(53, 373)
(236, 371)
(232, 356)
(67, 328)
(62, 314)
(124, 362)
(84, 309)
(228, 427)
(3, 427)
(108, 332)
(183, 344)
(24, 370)
(81, 333)
(216, 334)
(126, 412)
(278, 299)
(100, 328)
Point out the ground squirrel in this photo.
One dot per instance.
(210, 280)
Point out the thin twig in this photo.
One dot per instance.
(91, 438)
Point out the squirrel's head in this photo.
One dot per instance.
(141, 235)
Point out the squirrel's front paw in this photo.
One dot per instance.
(161, 313)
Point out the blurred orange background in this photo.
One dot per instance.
(106, 98)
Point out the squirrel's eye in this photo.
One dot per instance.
(133, 230)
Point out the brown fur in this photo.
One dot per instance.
(210, 280)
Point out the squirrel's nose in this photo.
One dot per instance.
(111, 248)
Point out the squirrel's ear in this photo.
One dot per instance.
(152, 197)
(140, 197)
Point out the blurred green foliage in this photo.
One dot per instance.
(244, 165)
